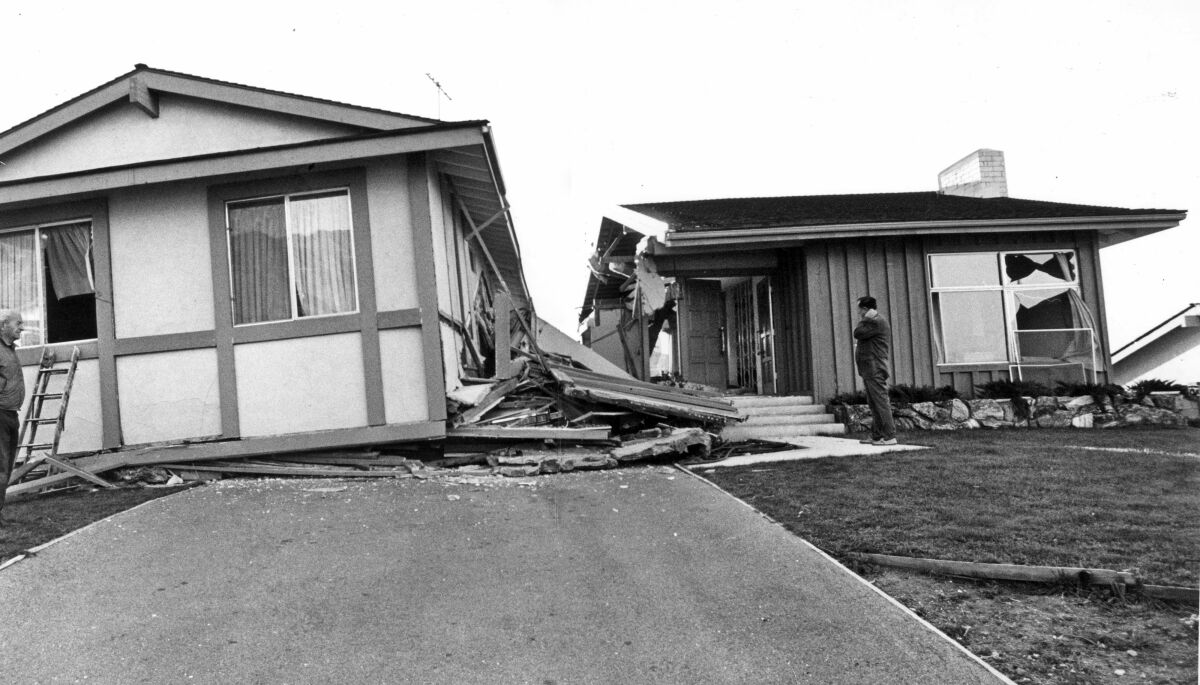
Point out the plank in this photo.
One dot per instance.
(491, 399)
(651, 406)
(649, 390)
(585, 434)
(971, 569)
(314, 471)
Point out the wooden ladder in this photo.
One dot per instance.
(31, 454)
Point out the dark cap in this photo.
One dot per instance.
(867, 302)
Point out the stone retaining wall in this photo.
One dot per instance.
(1043, 412)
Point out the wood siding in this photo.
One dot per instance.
(823, 281)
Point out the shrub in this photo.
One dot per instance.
(1144, 387)
(1011, 390)
(857, 397)
(1100, 392)
(908, 394)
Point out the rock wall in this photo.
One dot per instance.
(1031, 412)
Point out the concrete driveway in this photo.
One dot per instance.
(645, 575)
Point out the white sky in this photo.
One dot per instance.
(598, 104)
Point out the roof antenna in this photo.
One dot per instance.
(441, 91)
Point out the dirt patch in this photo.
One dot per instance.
(1054, 635)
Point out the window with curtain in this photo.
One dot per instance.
(291, 257)
(46, 273)
(1018, 308)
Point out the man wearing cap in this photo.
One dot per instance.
(873, 342)
(12, 394)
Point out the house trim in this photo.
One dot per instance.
(306, 154)
(420, 197)
(1113, 229)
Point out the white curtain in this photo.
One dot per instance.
(19, 282)
(322, 253)
(68, 258)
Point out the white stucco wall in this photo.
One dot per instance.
(123, 133)
(168, 396)
(300, 385)
(391, 236)
(82, 429)
(162, 273)
(405, 397)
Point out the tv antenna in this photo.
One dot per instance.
(441, 92)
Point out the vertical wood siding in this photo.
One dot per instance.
(828, 277)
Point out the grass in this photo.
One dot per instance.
(1018, 496)
(32, 521)
(1117, 499)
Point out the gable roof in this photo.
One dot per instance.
(816, 217)
(140, 86)
(616, 243)
(1188, 317)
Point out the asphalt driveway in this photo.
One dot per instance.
(644, 575)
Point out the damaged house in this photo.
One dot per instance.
(239, 263)
(759, 293)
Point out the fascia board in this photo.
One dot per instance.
(64, 114)
(777, 234)
(1185, 319)
(320, 152)
(278, 102)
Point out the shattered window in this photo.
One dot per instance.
(291, 256)
(1020, 308)
(46, 273)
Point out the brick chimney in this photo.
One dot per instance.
(979, 174)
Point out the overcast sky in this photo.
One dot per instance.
(598, 104)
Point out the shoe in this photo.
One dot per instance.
(884, 443)
(867, 441)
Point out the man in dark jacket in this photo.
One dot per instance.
(873, 342)
(12, 394)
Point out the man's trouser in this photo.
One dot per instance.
(875, 380)
(10, 427)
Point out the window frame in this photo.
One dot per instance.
(37, 228)
(287, 196)
(1008, 301)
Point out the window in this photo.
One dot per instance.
(46, 273)
(291, 256)
(1017, 308)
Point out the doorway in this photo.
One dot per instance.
(750, 334)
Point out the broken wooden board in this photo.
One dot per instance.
(1021, 572)
(270, 470)
(681, 441)
(652, 406)
(583, 434)
(485, 404)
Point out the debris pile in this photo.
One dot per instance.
(551, 416)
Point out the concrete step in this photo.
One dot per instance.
(787, 419)
(735, 432)
(741, 401)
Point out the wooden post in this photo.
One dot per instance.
(503, 311)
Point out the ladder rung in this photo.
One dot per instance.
(44, 370)
(37, 446)
(50, 395)
(42, 421)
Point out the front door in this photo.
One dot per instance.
(701, 353)
(764, 323)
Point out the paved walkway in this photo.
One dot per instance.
(809, 447)
(646, 575)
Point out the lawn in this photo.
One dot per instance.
(1110, 499)
(1041, 497)
(30, 521)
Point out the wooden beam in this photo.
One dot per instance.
(491, 399)
(586, 434)
(1037, 574)
(502, 310)
(140, 95)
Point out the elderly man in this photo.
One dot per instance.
(12, 395)
(873, 339)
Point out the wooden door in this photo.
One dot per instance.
(701, 350)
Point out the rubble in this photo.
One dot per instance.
(551, 416)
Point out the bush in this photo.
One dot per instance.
(1144, 387)
(1100, 392)
(1011, 390)
(901, 394)
(908, 394)
(857, 397)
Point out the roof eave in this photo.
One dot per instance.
(1113, 230)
